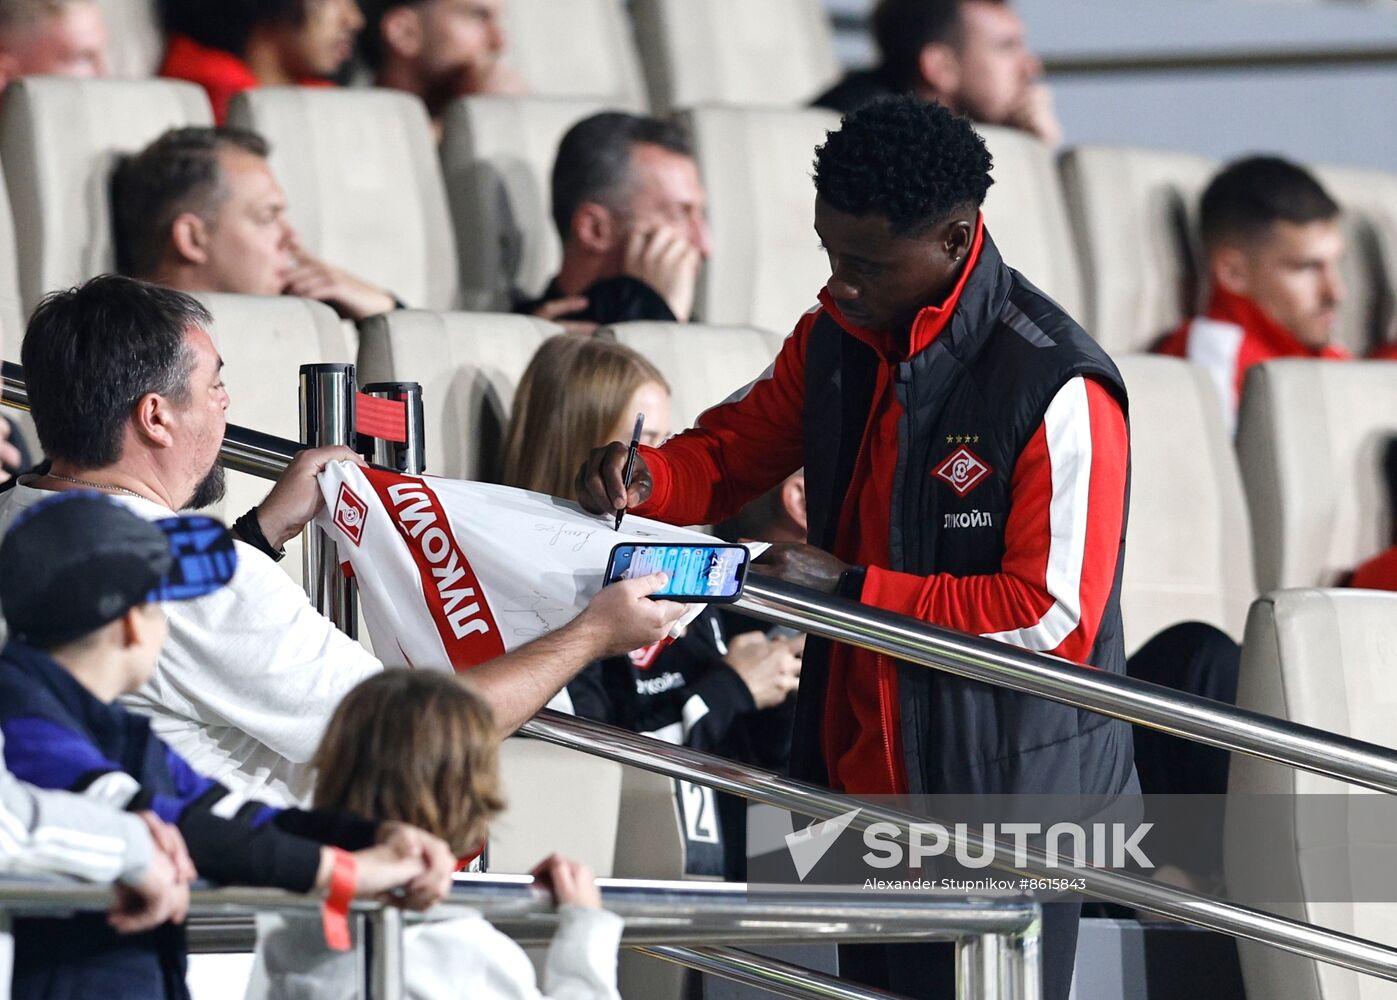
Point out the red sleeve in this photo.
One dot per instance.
(740, 449)
(1062, 538)
(1378, 573)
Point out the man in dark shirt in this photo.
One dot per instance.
(969, 55)
(632, 214)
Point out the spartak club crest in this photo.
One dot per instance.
(963, 470)
(350, 513)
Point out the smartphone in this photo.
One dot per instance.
(698, 574)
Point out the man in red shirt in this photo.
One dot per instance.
(966, 461)
(228, 46)
(1273, 245)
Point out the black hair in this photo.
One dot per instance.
(177, 173)
(1251, 194)
(91, 353)
(594, 159)
(902, 28)
(370, 41)
(910, 161)
(227, 24)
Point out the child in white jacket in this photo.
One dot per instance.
(421, 747)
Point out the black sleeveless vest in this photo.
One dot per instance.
(971, 401)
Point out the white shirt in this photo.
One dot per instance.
(249, 675)
(1216, 345)
(463, 957)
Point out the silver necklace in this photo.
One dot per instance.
(96, 486)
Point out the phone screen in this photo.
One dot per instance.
(696, 572)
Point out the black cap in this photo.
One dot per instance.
(79, 560)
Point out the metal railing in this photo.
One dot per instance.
(1190, 716)
(997, 942)
(915, 642)
(769, 788)
(1150, 705)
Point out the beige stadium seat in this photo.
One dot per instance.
(1184, 561)
(702, 364)
(650, 844)
(1369, 200)
(137, 45)
(1324, 658)
(774, 53)
(766, 268)
(498, 155)
(557, 800)
(12, 317)
(263, 343)
(1310, 438)
(363, 184)
(1134, 212)
(620, 821)
(1026, 213)
(12, 312)
(59, 139)
(577, 49)
(469, 365)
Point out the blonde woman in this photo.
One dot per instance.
(704, 690)
(578, 392)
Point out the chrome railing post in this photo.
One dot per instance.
(976, 956)
(385, 972)
(1021, 962)
(327, 418)
(997, 967)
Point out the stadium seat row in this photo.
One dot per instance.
(1108, 234)
(665, 54)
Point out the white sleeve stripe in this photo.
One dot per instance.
(672, 733)
(228, 806)
(51, 849)
(1067, 425)
(694, 711)
(1216, 346)
(116, 788)
(677, 732)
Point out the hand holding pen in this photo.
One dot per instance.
(603, 486)
(630, 465)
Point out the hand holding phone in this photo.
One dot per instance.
(698, 574)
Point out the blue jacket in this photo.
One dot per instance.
(58, 735)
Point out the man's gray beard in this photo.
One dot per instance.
(209, 491)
